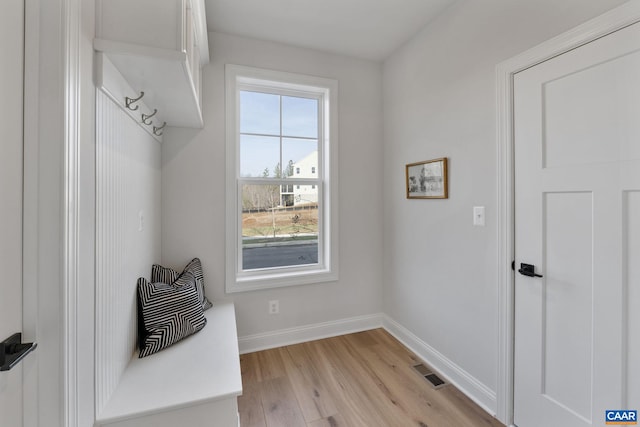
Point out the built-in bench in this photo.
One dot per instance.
(193, 383)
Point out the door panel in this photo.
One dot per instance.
(567, 243)
(632, 255)
(574, 123)
(577, 168)
(11, 48)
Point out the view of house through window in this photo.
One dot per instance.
(279, 186)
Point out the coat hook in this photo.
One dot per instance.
(156, 129)
(129, 101)
(145, 118)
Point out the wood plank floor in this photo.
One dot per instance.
(362, 379)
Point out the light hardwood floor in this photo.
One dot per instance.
(362, 379)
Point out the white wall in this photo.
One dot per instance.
(193, 189)
(440, 278)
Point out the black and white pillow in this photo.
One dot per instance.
(163, 274)
(169, 275)
(167, 313)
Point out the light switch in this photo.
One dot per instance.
(478, 216)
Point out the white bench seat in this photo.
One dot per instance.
(193, 383)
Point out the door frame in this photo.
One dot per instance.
(616, 19)
(59, 213)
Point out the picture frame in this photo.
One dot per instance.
(427, 179)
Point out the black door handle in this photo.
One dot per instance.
(12, 351)
(528, 270)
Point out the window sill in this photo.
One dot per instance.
(279, 280)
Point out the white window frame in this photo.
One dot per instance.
(326, 90)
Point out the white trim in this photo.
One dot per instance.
(620, 17)
(464, 381)
(71, 210)
(317, 331)
(327, 269)
(53, 216)
(200, 23)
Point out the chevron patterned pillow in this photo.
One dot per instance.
(160, 274)
(195, 268)
(169, 275)
(168, 313)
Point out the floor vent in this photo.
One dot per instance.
(426, 373)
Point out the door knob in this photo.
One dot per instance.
(528, 270)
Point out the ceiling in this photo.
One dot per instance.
(368, 29)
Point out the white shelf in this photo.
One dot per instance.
(159, 47)
(162, 74)
(115, 86)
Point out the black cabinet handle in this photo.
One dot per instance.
(528, 270)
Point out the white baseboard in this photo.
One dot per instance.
(465, 382)
(282, 337)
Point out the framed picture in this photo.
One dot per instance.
(427, 180)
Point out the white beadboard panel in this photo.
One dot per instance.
(127, 235)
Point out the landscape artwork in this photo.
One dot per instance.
(427, 179)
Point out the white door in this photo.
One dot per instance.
(11, 77)
(577, 195)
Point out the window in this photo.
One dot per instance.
(281, 226)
